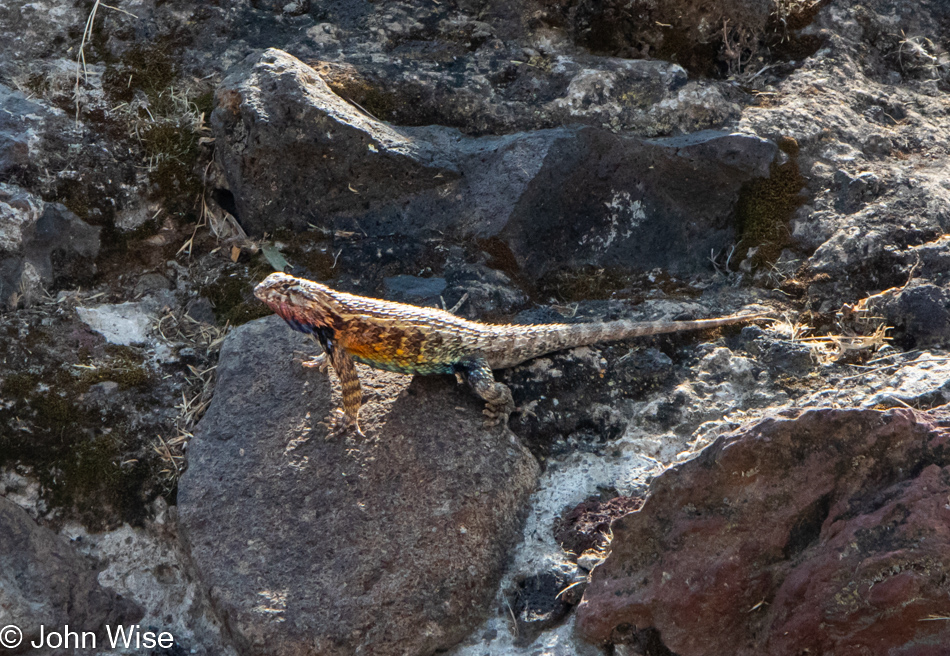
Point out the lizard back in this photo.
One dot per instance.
(416, 340)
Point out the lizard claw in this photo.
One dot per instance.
(494, 417)
(340, 424)
(319, 362)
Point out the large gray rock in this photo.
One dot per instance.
(21, 121)
(392, 544)
(295, 154)
(919, 314)
(41, 243)
(45, 581)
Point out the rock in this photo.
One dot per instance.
(30, 32)
(488, 292)
(786, 357)
(44, 581)
(585, 527)
(921, 382)
(414, 290)
(151, 282)
(389, 544)
(815, 531)
(920, 316)
(19, 213)
(564, 197)
(538, 605)
(200, 309)
(148, 565)
(855, 191)
(122, 323)
(935, 257)
(41, 240)
(20, 122)
(276, 115)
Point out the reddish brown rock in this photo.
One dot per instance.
(587, 525)
(819, 532)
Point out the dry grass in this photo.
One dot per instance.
(81, 72)
(221, 223)
(837, 347)
(180, 329)
(919, 54)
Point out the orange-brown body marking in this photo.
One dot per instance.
(415, 340)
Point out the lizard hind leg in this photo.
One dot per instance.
(497, 397)
(350, 382)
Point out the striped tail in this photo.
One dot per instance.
(527, 342)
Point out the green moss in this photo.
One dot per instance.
(75, 196)
(172, 149)
(165, 128)
(80, 456)
(126, 376)
(765, 208)
(233, 298)
(204, 102)
(148, 68)
(55, 412)
(18, 386)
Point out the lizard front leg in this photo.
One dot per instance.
(498, 402)
(345, 370)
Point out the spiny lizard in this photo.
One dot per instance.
(416, 340)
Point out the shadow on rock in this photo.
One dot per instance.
(391, 544)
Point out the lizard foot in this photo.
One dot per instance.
(524, 411)
(494, 416)
(341, 424)
(317, 362)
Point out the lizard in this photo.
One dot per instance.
(409, 339)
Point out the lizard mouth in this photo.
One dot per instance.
(273, 295)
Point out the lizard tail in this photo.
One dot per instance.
(617, 330)
(527, 342)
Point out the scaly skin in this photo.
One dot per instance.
(415, 340)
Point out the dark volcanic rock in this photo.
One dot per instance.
(45, 581)
(295, 154)
(823, 532)
(587, 525)
(292, 146)
(920, 315)
(392, 544)
(20, 120)
(41, 243)
(537, 604)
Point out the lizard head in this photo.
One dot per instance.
(305, 305)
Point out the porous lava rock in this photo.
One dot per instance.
(41, 244)
(821, 531)
(295, 154)
(389, 544)
(45, 581)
